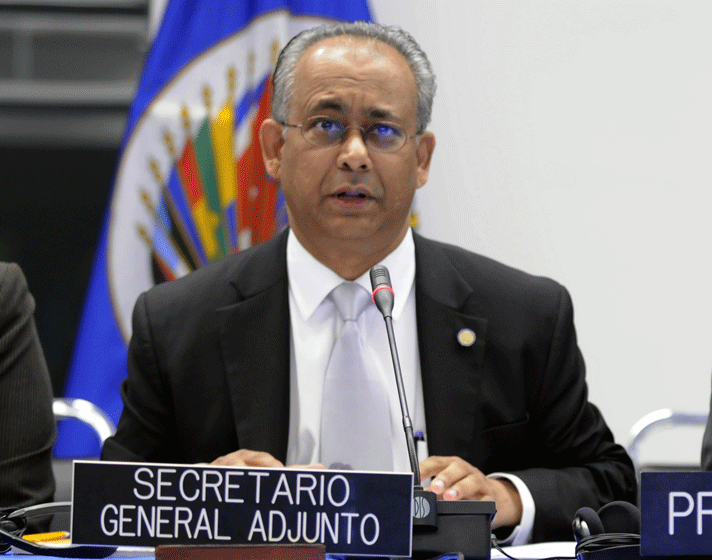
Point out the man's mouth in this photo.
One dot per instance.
(352, 195)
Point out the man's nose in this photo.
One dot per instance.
(354, 153)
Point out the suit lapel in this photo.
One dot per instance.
(254, 342)
(450, 370)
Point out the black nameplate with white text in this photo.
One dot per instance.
(676, 514)
(149, 504)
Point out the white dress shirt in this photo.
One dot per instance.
(315, 325)
(314, 328)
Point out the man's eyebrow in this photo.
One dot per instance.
(327, 105)
(334, 105)
(381, 114)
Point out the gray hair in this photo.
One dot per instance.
(400, 40)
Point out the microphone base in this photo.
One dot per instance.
(462, 526)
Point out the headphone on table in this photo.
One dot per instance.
(13, 523)
(612, 533)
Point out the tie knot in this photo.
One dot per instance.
(350, 300)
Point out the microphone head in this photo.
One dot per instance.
(382, 294)
(380, 276)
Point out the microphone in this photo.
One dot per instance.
(383, 296)
(383, 293)
(439, 526)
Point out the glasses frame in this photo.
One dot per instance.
(363, 130)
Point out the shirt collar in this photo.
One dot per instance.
(311, 281)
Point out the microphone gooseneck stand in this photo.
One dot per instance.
(439, 526)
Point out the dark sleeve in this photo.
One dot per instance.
(706, 462)
(580, 464)
(27, 425)
(143, 432)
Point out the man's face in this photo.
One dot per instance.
(348, 195)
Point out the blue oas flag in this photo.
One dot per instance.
(190, 185)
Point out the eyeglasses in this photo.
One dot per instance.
(324, 132)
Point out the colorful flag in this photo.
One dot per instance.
(190, 186)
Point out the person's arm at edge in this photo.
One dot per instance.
(28, 424)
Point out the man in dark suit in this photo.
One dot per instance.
(27, 425)
(228, 364)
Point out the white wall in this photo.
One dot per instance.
(574, 140)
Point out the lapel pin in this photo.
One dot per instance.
(466, 337)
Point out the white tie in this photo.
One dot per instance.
(355, 420)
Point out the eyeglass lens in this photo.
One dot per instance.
(384, 137)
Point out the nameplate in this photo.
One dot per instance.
(676, 514)
(150, 504)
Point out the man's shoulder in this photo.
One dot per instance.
(14, 292)
(473, 265)
(11, 278)
(488, 279)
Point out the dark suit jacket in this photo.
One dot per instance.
(209, 374)
(27, 426)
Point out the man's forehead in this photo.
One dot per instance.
(333, 69)
(346, 41)
(350, 45)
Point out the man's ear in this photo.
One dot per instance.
(424, 153)
(271, 141)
